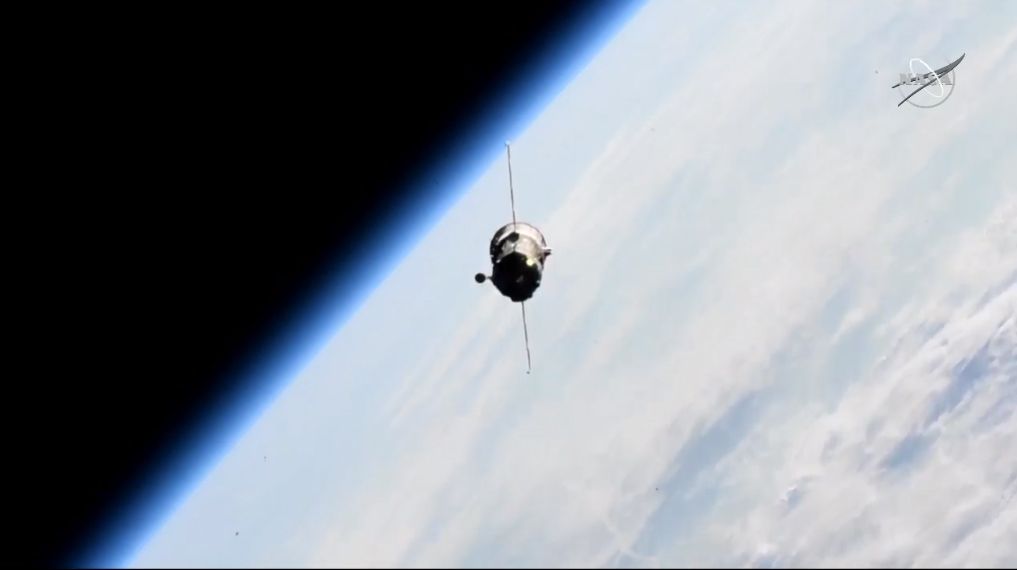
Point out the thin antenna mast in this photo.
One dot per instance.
(512, 197)
(526, 336)
(512, 193)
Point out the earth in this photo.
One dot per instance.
(779, 327)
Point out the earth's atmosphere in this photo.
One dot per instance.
(779, 326)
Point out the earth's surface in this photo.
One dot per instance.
(779, 326)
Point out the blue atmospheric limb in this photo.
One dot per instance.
(299, 340)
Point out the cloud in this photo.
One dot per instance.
(564, 466)
(778, 327)
(910, 467)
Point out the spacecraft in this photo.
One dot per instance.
(518, 255)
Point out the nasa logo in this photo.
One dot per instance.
(931, 84)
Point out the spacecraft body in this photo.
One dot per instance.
(518, 254)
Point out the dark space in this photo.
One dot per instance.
(203, 169)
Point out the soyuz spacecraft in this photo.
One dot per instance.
(518, 255)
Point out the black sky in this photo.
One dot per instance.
(201, 170)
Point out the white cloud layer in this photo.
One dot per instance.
(779, 327)
(706, 396)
